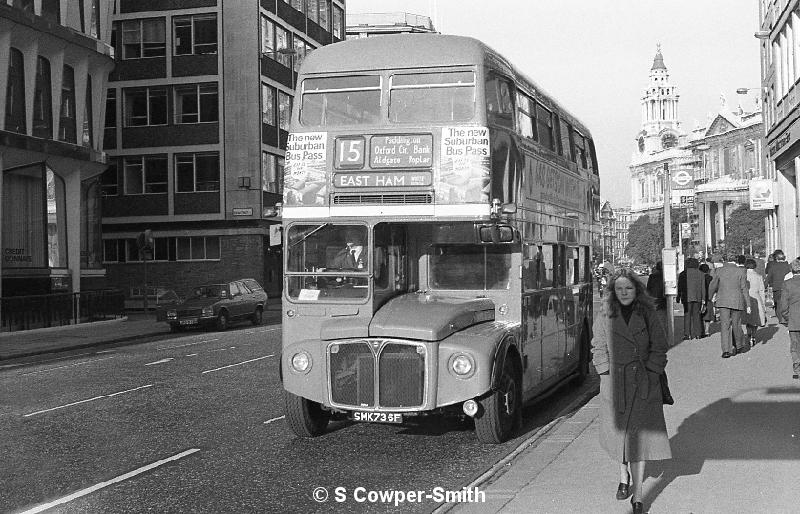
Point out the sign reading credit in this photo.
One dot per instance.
(401, 151)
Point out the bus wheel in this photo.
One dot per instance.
(222, 320)
(501, 412)
(584, 355)
(305, 418)
(258, 316)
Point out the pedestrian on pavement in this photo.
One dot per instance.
(775, 275)
(730, 286)
(757, 317)
(707, 310)
(655, 286)
(790, 312)
(692, 294)
(629, 351)
(761, 265)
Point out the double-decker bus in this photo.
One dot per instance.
(437, 223)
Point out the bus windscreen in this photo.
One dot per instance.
(432, 97)
(341, 101)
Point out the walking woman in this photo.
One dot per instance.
(758, 313)
(629, 350)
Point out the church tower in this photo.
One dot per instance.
(660, 126)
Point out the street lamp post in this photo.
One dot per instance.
(668, 244)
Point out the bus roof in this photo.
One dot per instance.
(418, 51)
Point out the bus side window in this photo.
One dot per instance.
(557, 128)
(593, 157)
(532, 267)
(573, 154)
(573, 266)
(546, 267)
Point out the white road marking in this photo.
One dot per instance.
(130, 390)
(96, 487)
(67, 366)
(192, 355)
(89, 400)
(63, 406)
(162, 361)
(237, 364)
(188, 344)
(267, 422)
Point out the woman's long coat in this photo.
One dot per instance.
(632, 426)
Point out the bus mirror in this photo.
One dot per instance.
(496, 234)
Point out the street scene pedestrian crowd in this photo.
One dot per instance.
(630, 343)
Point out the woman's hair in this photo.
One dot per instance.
(643, 301)
(704, 268)
(750, 264)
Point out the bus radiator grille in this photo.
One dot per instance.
(401, 376)
(380, 199)
(353, 375)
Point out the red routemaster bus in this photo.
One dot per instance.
(437, 225)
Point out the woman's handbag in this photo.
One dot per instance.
(666, 395)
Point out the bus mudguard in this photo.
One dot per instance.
(312, 382)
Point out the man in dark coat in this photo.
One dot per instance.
(692, 294)
(775, 275)
(733, 297)
(352, 256)
(655, 286)
(790, 312)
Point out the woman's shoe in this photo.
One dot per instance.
(623, 491)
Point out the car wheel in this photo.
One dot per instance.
(222, 320)
(305, 418)
(258, 316)
(501, 412)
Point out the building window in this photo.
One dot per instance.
(284, 110)
(87, 132)
(297, 5)
(145, 175)
(267, 104)
(144, 38)
(272, 173)
(94, 28)
(195, 35)
(197, 248)
(51, 10)
(300, 49)
(108, 181)
(276, 42)
(312, 10)
(338, 17)
(324, 16)
(196, 103)
(67, 131)
(111, 108)
(15, 93)
(146, 106)
(43, 101)
(196, 172)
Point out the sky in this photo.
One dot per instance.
(594, 57)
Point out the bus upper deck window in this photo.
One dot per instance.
(432, 97)
(341, 101)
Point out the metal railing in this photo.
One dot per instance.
(58, 309)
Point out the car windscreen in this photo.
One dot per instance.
(214, 291)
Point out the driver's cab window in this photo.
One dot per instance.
(500, 101)
(389, 258)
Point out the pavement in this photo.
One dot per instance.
(134, 326)
(734, 431)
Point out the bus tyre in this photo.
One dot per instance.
(500, 413)
(305, 418)
(222, 321)
(258, 316)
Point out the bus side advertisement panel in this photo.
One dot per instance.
(305, 178)
(465, 165)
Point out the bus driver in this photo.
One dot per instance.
(353, 255)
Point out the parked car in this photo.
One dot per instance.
(218, 305)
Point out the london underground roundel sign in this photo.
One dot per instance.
(682, 178)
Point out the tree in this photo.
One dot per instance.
(743, 227)
(645, 239)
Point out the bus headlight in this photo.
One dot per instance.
(301, 362)
(462, 365)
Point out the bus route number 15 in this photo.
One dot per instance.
(350, 153)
